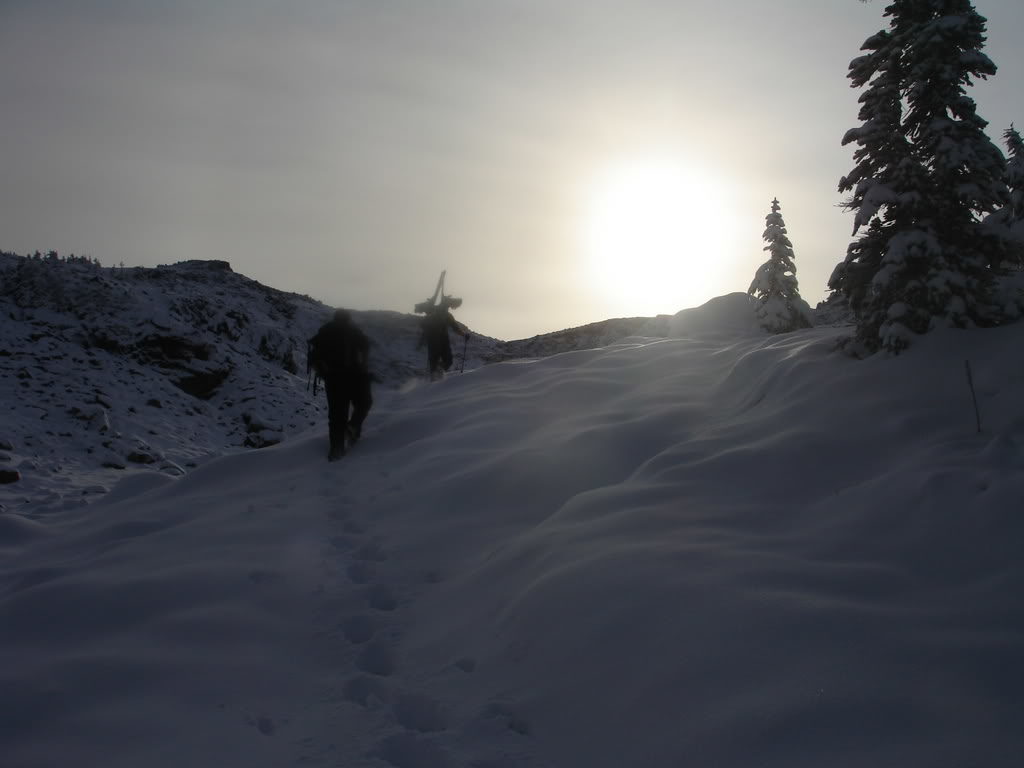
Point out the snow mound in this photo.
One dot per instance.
(732, 315)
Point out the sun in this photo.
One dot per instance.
(657, 236)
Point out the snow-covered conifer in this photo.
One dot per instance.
(779, 306)
(1015, 173)
(925, 174)
(1008, 221)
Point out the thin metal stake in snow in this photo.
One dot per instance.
(974, 399)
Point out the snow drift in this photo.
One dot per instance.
(732, 552)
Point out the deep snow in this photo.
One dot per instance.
(727, 549)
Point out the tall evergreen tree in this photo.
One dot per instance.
(884, 178)
(779, 306)
(925, 175)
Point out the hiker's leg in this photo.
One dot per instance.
(446, 355)
(361, 403)
(434, 361)
(337, 414)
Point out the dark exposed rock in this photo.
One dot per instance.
(171, 348)
(203, 385)
(101, 340)
(9, 476)
(261, 439)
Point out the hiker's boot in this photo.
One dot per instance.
(351, 435)
(336, 452)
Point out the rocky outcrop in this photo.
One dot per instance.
(111, 369)
(203, 384)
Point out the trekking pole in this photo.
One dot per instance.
(465, 343)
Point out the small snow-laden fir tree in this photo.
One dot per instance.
(779, 306)
(926, 173)
(1015, 178)
(1008, 221)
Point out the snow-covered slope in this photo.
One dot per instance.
(690, 551)
(105, 370)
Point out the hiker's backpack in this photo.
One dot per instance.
(336, 350)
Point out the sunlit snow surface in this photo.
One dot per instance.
(732, 551)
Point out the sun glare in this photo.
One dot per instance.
(658, 237)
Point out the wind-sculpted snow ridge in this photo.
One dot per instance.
(590, 336)
(687, 551)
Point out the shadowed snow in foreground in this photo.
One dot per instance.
(712, 552)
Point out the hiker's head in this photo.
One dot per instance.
(342, 316)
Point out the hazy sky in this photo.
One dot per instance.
(565, 161)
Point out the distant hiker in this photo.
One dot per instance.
(339, 354)
(435, 325)
(437, 319)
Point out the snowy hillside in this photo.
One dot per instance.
(727, 551)
(106, 370)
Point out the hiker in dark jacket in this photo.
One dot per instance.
(341, 356)
(435, 325)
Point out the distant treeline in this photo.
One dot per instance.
(54, 257)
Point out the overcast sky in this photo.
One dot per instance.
(352, 149)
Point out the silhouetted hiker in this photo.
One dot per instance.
(435, 325)
(437, 319)
(340, 355)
